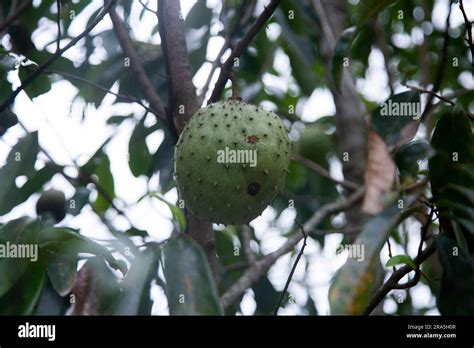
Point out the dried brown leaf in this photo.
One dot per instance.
(379, 175)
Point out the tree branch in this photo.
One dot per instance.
(263, 265)
(469, 33)
(183, 104)
(323, 172)
(182, 95)
(240, 48)
(351, 128)
(30, 78)
(137, 67)
(392, 282)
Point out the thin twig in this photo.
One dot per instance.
(252, 274)
(469, 33)
(102, 88)
(441, 66)
(58, 22)
(240, 48)
(345, 231)
(137, 67)
(33, 75)
(293, 269)
(430, 92)
(74, 181)
(392, 282)
(246, 239)
(323, 172)
(381, 39)
(242, 21)
(145, 6)
(389, 245)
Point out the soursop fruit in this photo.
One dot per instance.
(230, 161)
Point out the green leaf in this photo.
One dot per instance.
(341, 53)
(7, 120)
(135, 232)
(401, 260)
(367, 9)
(105, 180)
(135, 297)
(100, 290)
(199, 16)
(452, 139)
(189, 282)
(354, 282)
(117, 120)
(456, 296)
(266, 297)
(163, 162)
(50, 303)
(451, 171)
(394, 114)
(408, 155)
(13, 234)
(36, 181)
(62, 269)
(22, 298)
(40, 85)
(300, 50)
(139, 154)
(78, 201)
(59, 239)
(460, 239)
(177, 213)
(20, 161)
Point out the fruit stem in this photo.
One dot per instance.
(235, 87)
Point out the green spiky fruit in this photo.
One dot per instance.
(230, 161)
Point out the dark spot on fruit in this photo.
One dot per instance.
(253, 189)
(252, 139)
